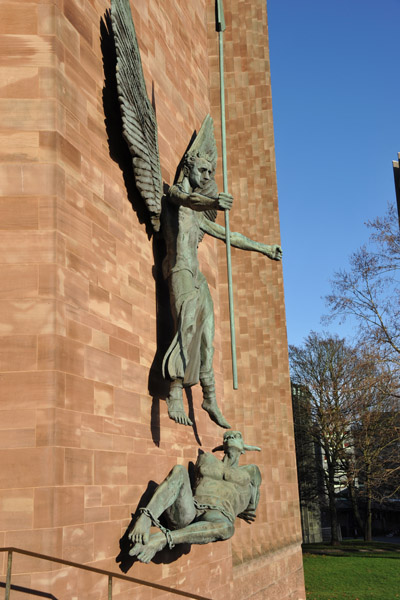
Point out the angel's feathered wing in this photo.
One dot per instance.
(138, 117)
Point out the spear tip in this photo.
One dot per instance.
(220, 19)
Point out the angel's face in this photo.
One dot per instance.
(200, 172)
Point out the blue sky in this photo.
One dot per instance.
(335, 69)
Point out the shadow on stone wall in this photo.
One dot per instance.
(158, 387)
(29, 591)
(119, 152)
(165, 556)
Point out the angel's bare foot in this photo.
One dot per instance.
(176, 411)
(141, 530)
(211, 406)
(145, 552)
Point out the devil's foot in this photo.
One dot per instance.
(145, 552)
(141, 530)
(215, 414)
(176, 411)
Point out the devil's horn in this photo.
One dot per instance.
(217, 448)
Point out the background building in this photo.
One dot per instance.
(309, 468)
(84, 426)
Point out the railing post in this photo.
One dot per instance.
(110, 575)
(8, 580)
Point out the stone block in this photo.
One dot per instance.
(48, 540)
(19, 82)
(60, 353)
(18, 353)
(78, 543)
(78, 466)
(102, 367)
(28, 115)
(18, 281)
(106, 537)
(16, 509)
(30, 316)
(79, 395)
(30, 467)
(110, 468)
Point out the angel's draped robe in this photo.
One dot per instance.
(189, 356)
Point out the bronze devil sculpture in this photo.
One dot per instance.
(222, 491)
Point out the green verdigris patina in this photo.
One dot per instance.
(182, 217)
(222, 491)
(186, 217)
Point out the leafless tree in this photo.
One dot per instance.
(326, 367)
(373, 466)
(353, 416)
(369, 289)
(369, 292)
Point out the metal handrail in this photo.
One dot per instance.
(109, 574)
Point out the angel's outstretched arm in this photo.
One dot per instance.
(198, 202)
(240, 241)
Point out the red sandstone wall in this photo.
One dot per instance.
(77, 295)
(261, 408)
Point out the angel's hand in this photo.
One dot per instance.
(248, 515)
(276, 252)
(224, 201)
(272, 251)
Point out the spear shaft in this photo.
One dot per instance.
(220, 26)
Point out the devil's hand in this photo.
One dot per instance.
(248, 515)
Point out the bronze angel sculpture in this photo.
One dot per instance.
(182, 217)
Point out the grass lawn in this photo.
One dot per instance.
(354, 570)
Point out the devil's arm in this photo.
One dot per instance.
(249, 514)
(255, 486)
(238, 240)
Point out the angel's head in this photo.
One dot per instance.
(198, 169)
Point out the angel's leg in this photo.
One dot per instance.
(176, 411)
(207, 380)
(184, 305)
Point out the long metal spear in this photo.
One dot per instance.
(220, 26)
